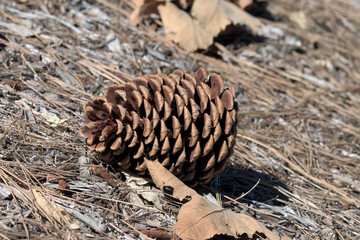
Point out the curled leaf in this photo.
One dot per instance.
(201, 218)
(181, 28)
(143, 8)
(163, 178)
(215, 15)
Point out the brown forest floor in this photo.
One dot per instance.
(299, 127)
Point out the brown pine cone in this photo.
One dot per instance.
(185, 121)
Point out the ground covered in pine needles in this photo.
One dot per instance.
(296, 166)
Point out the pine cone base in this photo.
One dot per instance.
(185, 121)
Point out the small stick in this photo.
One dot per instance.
(102, 172)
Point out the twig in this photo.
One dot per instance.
(100, 171)
(243, 195)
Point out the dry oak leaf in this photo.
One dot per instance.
(163, 178)
(184, 4)
(243, 4)
(143, 8)
(202, 219)
(182, 29)
(215, 15)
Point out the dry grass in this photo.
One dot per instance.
(299, 128)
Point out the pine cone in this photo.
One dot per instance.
(185, 121)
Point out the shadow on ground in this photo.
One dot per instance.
(260, 9)
(236, 180)
(236, 36)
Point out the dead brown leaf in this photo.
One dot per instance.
(215, 15)
(143, 8)
(184, 4)
(202, 219)
(49, 207)
(52, 211)
(210, 18)
(243, 4)
(182, 29)
(162, 177)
